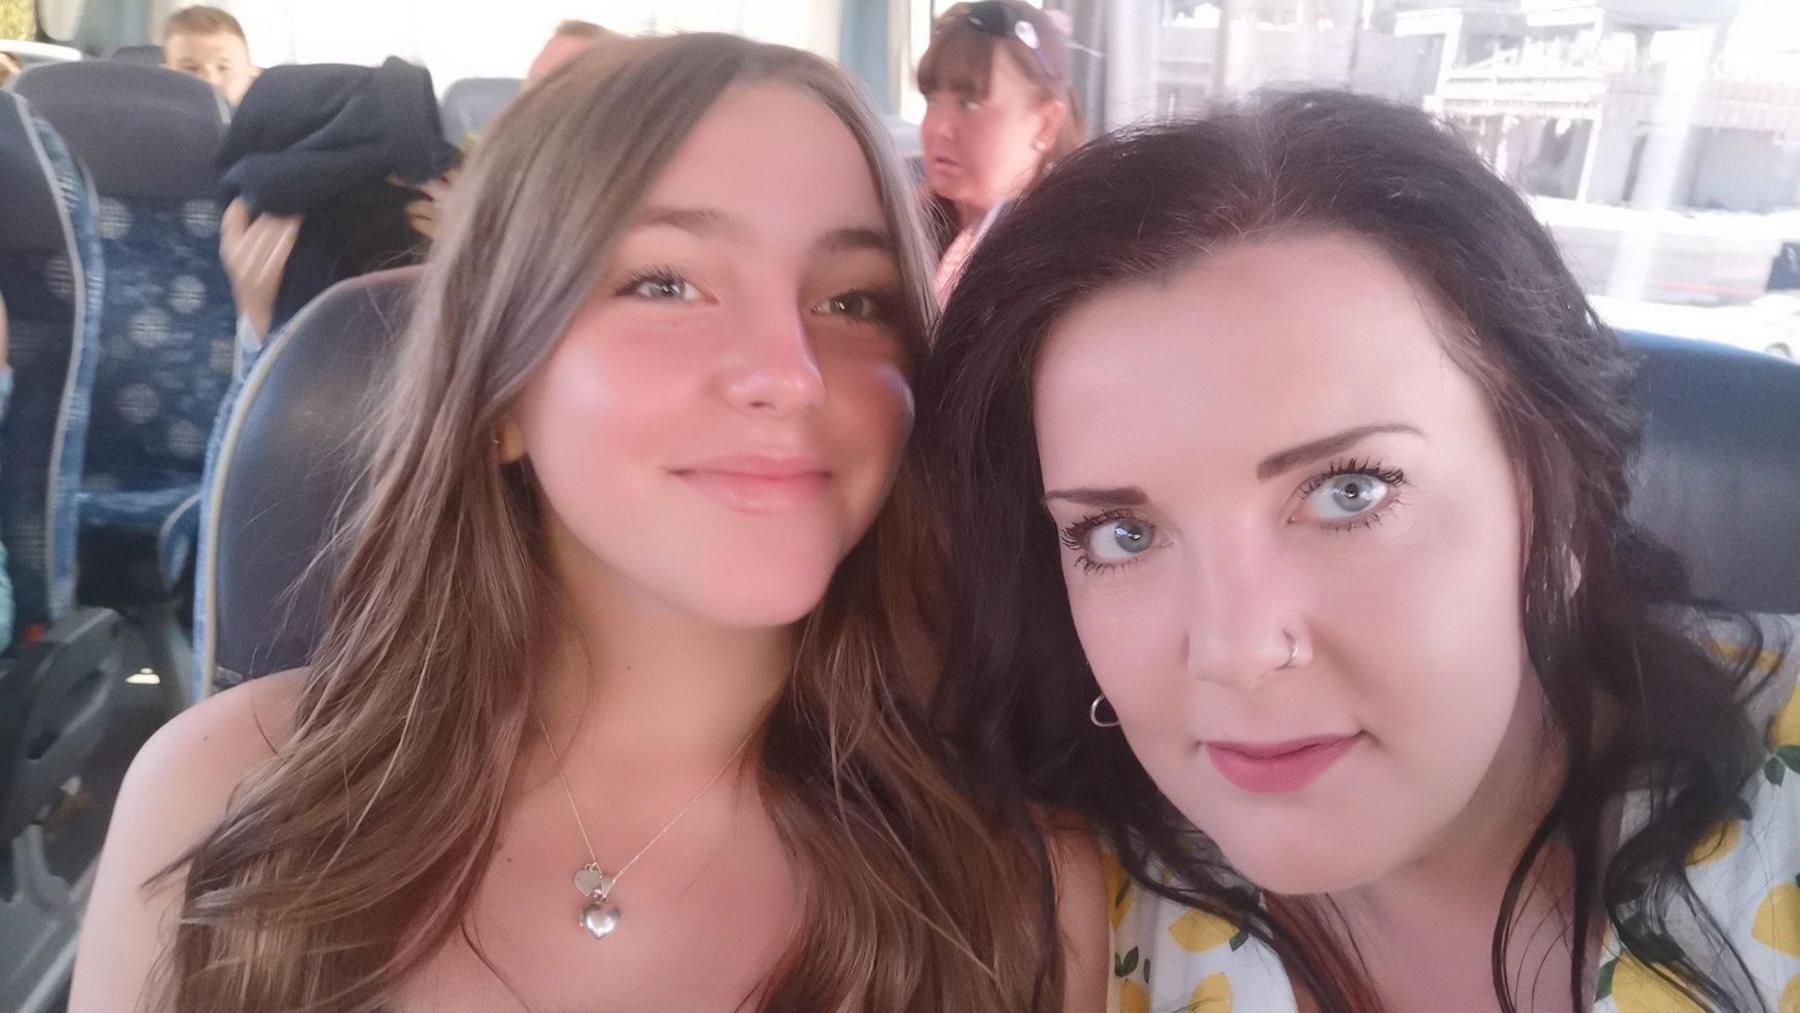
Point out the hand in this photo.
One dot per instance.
(255, 253)
(426, 215)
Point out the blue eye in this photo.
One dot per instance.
(1110, 539)
(1346, 497)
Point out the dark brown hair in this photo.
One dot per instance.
(1595, 595)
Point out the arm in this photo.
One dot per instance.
(178, 786)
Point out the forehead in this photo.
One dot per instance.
(1260, 346)
(211, 45)
(776, 157)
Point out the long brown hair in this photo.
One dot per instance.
(350, 857)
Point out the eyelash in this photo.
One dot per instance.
(1074, 536)
(1393, 478)
(884, 303)
(660, 275)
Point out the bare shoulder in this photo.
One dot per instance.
(208, 748)
(1081, 909)
(178, 786)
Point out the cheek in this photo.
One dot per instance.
(1131, 631)
(594, 417)
(868, 417)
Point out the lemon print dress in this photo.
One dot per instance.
(1171, 959)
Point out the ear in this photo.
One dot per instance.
(1053, 113)
(509, 442)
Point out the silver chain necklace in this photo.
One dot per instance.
(600, 915)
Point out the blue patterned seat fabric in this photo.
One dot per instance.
(52, 292)
(169, 351)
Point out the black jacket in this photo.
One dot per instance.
(322, 140)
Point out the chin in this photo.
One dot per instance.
(755, 590)
(1298, 862)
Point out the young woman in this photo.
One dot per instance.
(613, 710)
(991, 124)
(1283, 493)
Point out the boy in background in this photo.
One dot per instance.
(210, 44)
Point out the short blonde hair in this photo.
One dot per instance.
(202, 20)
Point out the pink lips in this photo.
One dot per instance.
(1274, 768)
(758, 484)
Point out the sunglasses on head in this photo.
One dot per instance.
(991, 17)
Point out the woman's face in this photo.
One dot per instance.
(1272, 454)
(980, 152)
(723, 419)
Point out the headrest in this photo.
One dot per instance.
(471, 105)
(29, 219)
(1717, 477)
(145, 133)
(152, 55)
(285, 463)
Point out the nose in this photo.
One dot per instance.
(937, 127)
(773, 372)
(1244, 614)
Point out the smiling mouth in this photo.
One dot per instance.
(758, 485)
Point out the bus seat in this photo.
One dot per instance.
(152, 55)
(1717, 477)
(56, 681)
(51, 278)
(168, 330)
(284, 461)
(472, 104)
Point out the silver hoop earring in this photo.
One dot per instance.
(1293, 653)
(1094, 713)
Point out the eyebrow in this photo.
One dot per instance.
(706, 223)
(1313, 450)
(1122, 496)
(847, 239)
(710, 223)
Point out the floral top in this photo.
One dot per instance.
(1172, 959)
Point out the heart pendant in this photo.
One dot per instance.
(600, 919)
(592, 883)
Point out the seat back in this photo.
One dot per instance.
(285, 461)
(1717, 476)
(169, 325)
(472, 104)
(51, 280)
(152, 55)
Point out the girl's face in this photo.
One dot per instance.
(723, 419)
(1271, 456)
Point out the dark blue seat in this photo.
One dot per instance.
(56, 679)
(151, 55)
(168, 328)
(1717, 478)
(285, 459)
(51, 276)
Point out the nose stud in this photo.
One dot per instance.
(1293, 653)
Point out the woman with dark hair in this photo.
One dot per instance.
(1283, 494)
(991, 125)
